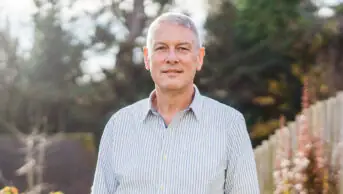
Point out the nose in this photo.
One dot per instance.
(172, 57)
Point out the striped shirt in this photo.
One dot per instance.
(204, 150)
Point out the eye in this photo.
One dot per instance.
(159, 48)
(183, 49)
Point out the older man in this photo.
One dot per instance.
(176, 141)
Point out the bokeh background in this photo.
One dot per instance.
(67, 65)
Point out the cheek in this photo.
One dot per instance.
(156, 60)
(192, 65)
(154, 66)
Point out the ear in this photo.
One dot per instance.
(200, 58)
(146, 58)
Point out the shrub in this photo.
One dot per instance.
(14, 190)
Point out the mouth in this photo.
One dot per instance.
(172, 71)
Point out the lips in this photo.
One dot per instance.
(172, 71)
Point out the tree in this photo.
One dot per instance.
(45, 83)
(252, 53)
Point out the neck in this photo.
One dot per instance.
(168, 103)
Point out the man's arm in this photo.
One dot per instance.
(104, 178)
(241, 174)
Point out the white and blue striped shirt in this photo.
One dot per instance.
(205, 150)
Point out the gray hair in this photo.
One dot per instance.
(174, 18)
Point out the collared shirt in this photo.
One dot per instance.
(205, 149)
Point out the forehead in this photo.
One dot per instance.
(170, 33)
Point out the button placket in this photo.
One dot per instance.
(168, 136)
(167, 139)
(162, 166)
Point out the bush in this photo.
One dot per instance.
(14, 190)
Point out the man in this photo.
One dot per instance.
(176, 141)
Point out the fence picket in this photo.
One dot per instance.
(324, 118)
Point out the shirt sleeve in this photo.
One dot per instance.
(105, 181)
(241, 174)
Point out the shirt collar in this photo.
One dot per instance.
(195, 106)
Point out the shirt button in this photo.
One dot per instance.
(161, 187)
(165, 157)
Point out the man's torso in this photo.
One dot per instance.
(189, 156)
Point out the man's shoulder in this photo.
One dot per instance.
(130, 110)
(224, 116)
(136, 106)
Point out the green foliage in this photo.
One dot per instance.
(251, 50)
(44, 84)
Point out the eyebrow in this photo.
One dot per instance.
(184, 44)
(179, 44)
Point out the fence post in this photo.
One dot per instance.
(259, 163)
(340, 128)
(271, 159)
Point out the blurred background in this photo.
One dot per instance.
(67, 65)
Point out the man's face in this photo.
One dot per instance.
(174, 57)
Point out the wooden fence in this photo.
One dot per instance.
(326, 115)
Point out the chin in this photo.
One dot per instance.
(171, 86)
